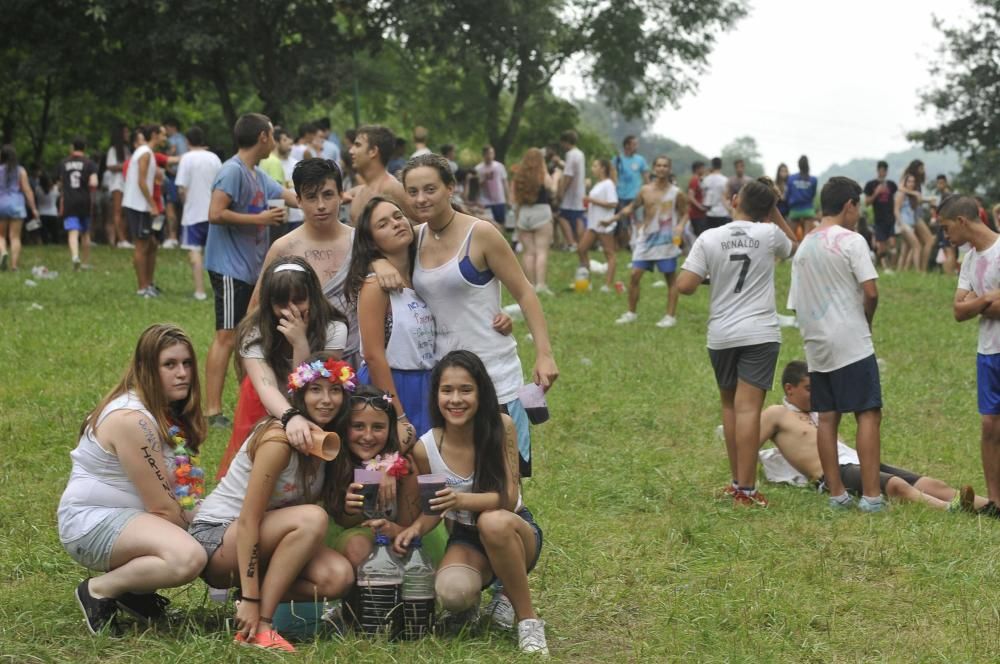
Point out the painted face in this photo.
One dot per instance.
(175, 367)
(323, 400)
(458, 396)
(390, 229)
(428, 193)
(321, 205)
(369, 432)
(799, 395)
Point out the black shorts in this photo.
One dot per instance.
(851, 389)
(232, 298)
(751, 364)
(850, 475)
(469, 536)
(884, 231)
(140, 225)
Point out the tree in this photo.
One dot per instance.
(745, 148)
(965, 102)
(640, 54)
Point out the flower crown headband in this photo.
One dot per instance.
(331, 369)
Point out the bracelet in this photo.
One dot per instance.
(288, 415)
(265, 619)
(403, 418)
(253, 600)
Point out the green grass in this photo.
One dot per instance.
(640, 564)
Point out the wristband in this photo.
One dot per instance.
(288, 415)
(253, 600)
(403, 418)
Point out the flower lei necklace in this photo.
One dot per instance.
(393, 465)
(189, 477)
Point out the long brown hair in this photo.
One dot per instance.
(143, 378)
(530, 177)
(269, 429)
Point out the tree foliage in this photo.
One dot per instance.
(745, 148)
(965, 102)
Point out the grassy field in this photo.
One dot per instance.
(640, 563)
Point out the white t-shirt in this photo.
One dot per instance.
(196, 173)
(740, 259)
(981, 274)
(116, 181)
(492, 183)
(606, 191)
(827, 272)
(654, 236)
(295, 215)
(575, 169)
(336, 340)
(714, 188)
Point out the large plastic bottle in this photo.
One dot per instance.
(418, 593)
(380, 579)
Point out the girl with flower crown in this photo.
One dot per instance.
(372, 444)
(292, 320)
(135, 473)
(261, 527)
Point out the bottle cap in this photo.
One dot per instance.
(416, 543)
(382, 540)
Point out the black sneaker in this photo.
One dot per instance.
(990, 509)
(219, 421)
(145, 607)
(98, 613)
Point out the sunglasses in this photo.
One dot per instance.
(381, 403)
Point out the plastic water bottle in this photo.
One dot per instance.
(418, 593)
(581, 283)
(380, 579)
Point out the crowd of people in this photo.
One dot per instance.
(361, 293)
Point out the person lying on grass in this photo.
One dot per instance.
(135, 482)
(261, 527)
(793, 429)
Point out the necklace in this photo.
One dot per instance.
(437, 233)
(189, 477)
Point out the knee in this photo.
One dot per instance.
(357, 549)
(495, 526)
(186, 562)
(458, 587)
(898, 488)
(312, 521)
(335, 577)
(991, 428)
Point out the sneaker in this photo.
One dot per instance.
(4, 260)
(219, 421)
(544, 290)
(667, 321)
(201, 297)
(98, 613)
(725, 493)
(333, 618)
(155, 290)
(149, 293)
(872, 506)
(627, 317)
(660, 284)
(148, 606)
(531, 636)
(170, 243)
(76, 264)
(744, 499)
(125, 244)
(86, 267)
(989, 509)
(835, 504)
(500, 611)
(606, 289)
(270, 640)
(452, 624)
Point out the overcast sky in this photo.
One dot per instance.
(846, 77)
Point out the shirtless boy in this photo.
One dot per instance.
(370, 153)
(792, 428)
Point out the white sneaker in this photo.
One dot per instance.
(500, 611)
(125, 244)
(201, 297)
(660, 284)
(667, 321)
(627, 317)
(170, 243)
(531, 636)
(543, 290)
(605, 288)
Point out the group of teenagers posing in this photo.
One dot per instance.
(435, 392)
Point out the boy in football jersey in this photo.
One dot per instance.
(743, 334)
(78, 176)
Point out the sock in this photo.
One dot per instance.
(877, 499)
(842, 499)
(748, 490)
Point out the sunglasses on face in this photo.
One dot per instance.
(381, 403)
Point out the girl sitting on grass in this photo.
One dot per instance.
(135, 479)
(474, 446)
(261, 527)
(292, 320)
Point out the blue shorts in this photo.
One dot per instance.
(664, 265)
(499, 212)
(574, 217)
(12, 207)
(469, 536)
(195, 236)
(170, 193)
(81, 224)
(851, 389)
(988, 383)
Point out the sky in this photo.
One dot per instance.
(846, 80)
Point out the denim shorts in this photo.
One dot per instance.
(209, 535)
(469, 536)
(93, 550)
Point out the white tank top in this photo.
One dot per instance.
(335, 290)
(226, 500)
(133, 198)
(453, 480)
(464, 312)
(411, 339)
(98, 481)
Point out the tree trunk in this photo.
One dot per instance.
(225, 99)
(43, 129)
(8, 125)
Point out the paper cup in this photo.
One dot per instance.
(362, 476)
(532, 398)
(276, 203)
(325, 445)
(429, 486)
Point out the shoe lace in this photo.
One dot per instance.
(533, 637)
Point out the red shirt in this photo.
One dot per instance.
(696, 194)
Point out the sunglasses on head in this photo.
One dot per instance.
(383, 402)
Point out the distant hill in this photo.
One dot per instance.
(862, 170)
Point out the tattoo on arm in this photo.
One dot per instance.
(252, 564)
(151, 438)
